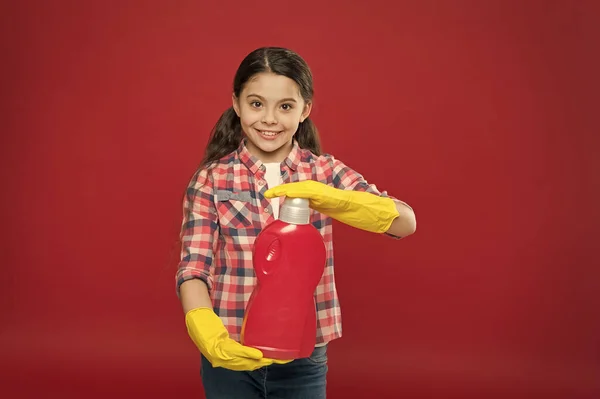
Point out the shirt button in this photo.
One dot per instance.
(267, 210)
(261, 182)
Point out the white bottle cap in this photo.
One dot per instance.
(295, 211)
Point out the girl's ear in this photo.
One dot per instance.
(236, 104)
(306, 111)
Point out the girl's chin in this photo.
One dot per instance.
(270, 146)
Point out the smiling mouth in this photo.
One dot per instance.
(268, 133)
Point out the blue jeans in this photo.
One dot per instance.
(300, 379)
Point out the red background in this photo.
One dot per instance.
(479, 114)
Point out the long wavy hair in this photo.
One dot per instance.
(227, 134)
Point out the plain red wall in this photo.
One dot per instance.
(479, 114)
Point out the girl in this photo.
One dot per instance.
(262, 148)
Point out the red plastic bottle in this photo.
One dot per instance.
(289, 259)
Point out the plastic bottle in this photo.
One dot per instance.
(289, 259)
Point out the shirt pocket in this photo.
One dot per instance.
(234, 209)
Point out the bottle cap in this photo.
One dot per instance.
(295, 211)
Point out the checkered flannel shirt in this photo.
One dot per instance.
(225, 209)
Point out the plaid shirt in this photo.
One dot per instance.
(225, 209)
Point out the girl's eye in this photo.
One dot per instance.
(255, 104)
(286, 107)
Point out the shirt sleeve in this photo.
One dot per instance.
(346, 178)
(199, 232)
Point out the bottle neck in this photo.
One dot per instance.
(295, 211)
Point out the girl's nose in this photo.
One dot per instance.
(269, 118)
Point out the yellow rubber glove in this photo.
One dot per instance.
(358, 209)
(209, 334)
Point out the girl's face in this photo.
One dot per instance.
(270, 108)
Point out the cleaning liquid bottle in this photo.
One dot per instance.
(289, 259)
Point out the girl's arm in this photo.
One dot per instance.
(194, 294)
(405, 224)
(194, 278)
(346, 178)
(199, 236)
(353, 201)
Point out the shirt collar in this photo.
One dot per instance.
(254, 164)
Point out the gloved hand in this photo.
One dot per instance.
(363, 210)
(209, 334)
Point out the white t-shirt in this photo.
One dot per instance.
(273, 178)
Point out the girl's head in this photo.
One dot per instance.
(272, 99)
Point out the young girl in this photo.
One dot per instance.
(262, 148)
